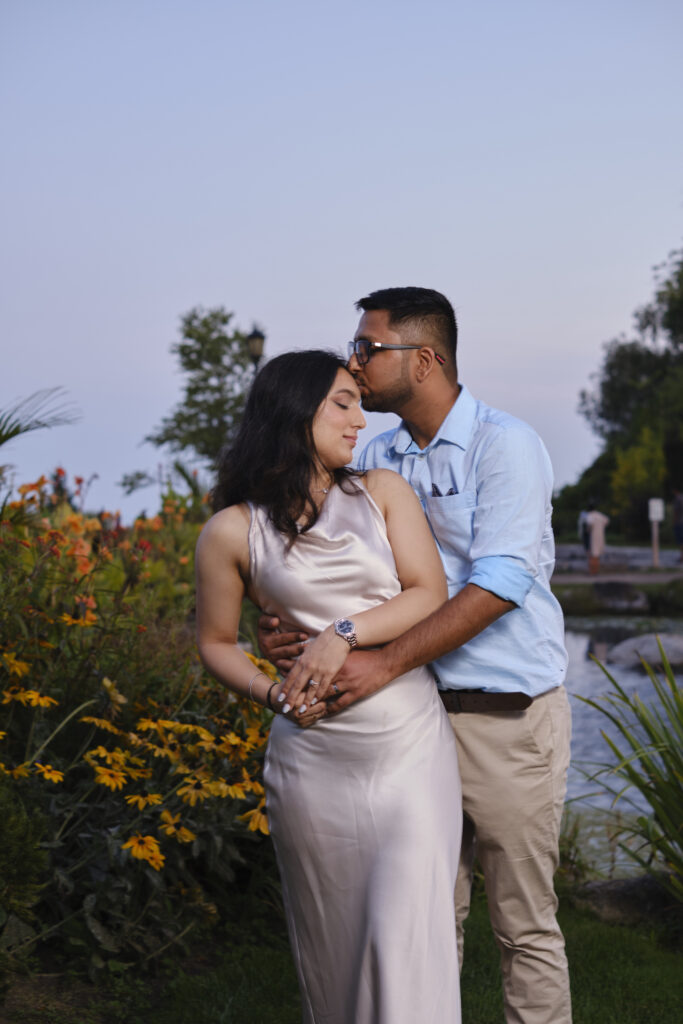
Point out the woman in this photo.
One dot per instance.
(364, 806)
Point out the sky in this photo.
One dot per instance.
(284, 159)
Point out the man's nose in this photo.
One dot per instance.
(353, 364)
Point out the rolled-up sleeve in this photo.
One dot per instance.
(504, 577)
(513, 501)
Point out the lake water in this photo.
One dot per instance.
(586, 679)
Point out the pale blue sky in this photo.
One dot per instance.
(284, 159)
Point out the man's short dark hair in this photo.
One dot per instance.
(426, 309)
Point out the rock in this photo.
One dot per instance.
(629, 652)
(629, 901)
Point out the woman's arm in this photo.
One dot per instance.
(222, 563)
(423, 591)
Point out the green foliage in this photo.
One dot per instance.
(638, 394)
(638, 475)
(216, 366)
(629, 386)
(649, 757)
(40, 411)
(23, 866)
(144, 772)
(44, 409)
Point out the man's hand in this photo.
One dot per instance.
(279, 648)
(363, 673)
(309, 717)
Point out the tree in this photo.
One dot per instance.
(636, 408)
(217, 370)
(634, 383)
(638, 475)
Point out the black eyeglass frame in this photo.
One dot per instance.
(355, 347)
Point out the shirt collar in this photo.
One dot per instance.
(455, 429)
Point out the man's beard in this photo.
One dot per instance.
(391, 399)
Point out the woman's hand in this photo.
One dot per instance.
(310, 681)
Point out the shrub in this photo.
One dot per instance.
(144, 772)
(650, 759)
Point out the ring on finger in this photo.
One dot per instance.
(312, 682)
(335, 687)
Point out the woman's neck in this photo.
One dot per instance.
(321, 482)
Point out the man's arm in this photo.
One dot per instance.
(460, 619)
(514, 481)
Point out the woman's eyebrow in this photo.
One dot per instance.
(347, 391)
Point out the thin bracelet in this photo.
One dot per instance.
(251, 683)
(270, 690)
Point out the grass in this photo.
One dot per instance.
(619, 976)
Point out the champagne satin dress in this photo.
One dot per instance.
(364, 807)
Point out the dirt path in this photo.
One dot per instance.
(634, 576)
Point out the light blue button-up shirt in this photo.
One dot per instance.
(485, 484)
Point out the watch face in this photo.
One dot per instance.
(345, 626)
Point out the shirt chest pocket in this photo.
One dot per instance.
(451, 519)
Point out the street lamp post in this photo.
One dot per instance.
(255, 342)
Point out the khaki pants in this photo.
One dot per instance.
(514, 769)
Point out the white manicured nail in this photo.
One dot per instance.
(302, 709)
(286, 708)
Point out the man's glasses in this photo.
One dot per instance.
(362, 349)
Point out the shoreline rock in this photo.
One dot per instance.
(629, 652)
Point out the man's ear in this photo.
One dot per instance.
(426, 363)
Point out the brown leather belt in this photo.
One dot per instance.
(457, 701)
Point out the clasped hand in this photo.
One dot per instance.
(311, 679)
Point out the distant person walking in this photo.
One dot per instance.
(678, 521)
(597, 524)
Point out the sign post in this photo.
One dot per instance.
(655, 511)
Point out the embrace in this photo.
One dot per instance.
(422, 719)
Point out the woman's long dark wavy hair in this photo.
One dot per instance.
(273, 459)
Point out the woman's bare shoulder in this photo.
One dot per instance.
(381, 482)
(227, 531)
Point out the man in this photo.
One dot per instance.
(496, 646)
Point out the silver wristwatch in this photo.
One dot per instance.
(347, 630)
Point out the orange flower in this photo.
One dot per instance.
(113, 778)
(263, 665)
(171, 828)
(69, 619)
(112, 692)
(141, 801)
(145, 848)
(15, 694)
(194, 790)
(39, 700)
(14, 666)
(49, 773)
(102, 723)
(258, 822)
